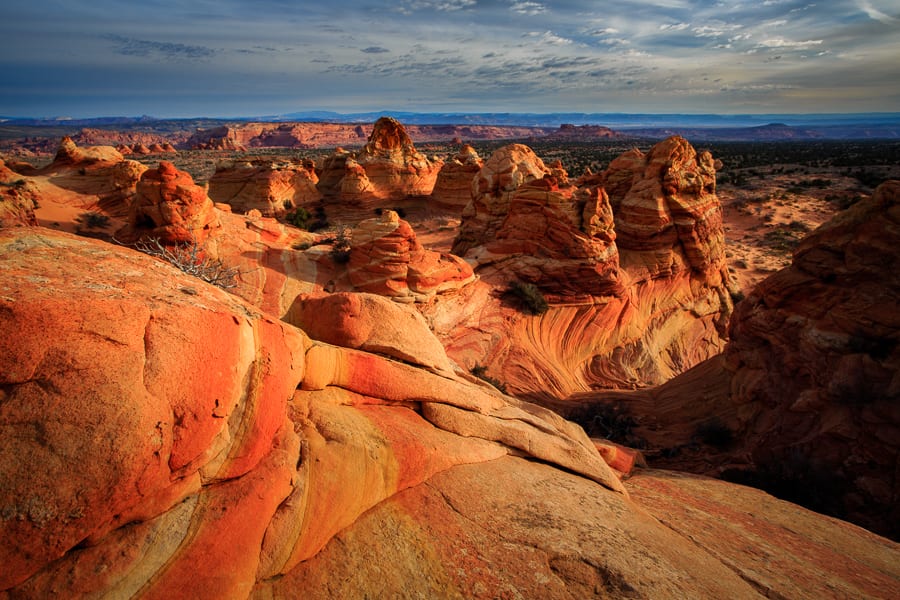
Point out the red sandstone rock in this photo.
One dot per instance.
(453, 187)
(271, 186)
(387, 167)
(372, 323)
(627, 314)
(17, 200)
(386, 258)
(492, 189)
(807, 386)
(169, 206)
(91, 178)
(193, 448)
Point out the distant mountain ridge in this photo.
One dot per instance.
(701, 127)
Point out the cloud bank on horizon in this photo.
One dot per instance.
(243, 58)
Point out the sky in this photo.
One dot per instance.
(229, 58)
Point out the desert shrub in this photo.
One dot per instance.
(713, 432)
(340, 245)
(190, 257)
(528, 296)
(298, 217)
(480, 371)
(93, 220)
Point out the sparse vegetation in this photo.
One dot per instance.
(299, 217)
(528, 296)
(93, 220)
(340, 246)
(191, 258)
(480, 371)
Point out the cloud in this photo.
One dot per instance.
(783, 43)
(159, 50)
(528, 8)
(411, 6)
(548, 37)
(674, 26)
(877, 15)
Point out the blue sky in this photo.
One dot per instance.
(242, 58)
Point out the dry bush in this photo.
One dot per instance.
(190, 257)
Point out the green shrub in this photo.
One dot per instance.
(340, 245)
(93, 220)
(299, 218)
(529, 297)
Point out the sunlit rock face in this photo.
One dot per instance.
(386, 258)
(453, 188)
(93, 178)
(170, 207)
(207, 430)
(273, 187)
(387, 167)
(805, 397)
(632, 261)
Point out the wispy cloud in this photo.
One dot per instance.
(528, 8)
(159, 50)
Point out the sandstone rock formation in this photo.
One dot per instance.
(92, 178)
(270, 186)
(190, 439)
(453, 187)
(170, 207)
(387, 167)
(372, 323)
(632, 261)
(492, 189)
(17, 200)
(386, 258)
(805, 397)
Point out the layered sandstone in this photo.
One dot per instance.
(386, 258)
(94, 178)
(805, 396)
(632, 261)
(270, 186)
(208, 431)
(170, 207)
(17, 200)
(453, 187)
(491, 191)
(387, 167)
